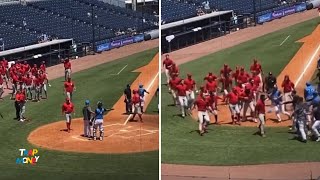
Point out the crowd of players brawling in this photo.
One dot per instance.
(242, 91)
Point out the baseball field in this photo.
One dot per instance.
(86, 159)
(292, 50)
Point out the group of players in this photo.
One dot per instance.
(241, 91)
(27, 83)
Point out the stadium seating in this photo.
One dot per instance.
(173, 10)
(72, 19)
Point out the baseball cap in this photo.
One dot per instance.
(189, 75)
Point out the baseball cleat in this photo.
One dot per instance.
(263, 135)
(318, 140)
(21, 120)
(101, 138)
(94, 138)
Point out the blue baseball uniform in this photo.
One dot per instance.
(276, 100)
(141, 92)
(99, 122)
(309, 92)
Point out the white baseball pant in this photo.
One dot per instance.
(203, 116)
(234, 109)
(315, 127)
(183, 104)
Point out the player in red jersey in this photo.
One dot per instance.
(67, 69)
(235, 74)
(167, 64)
(174, 81)
(243, 77)
(37, 87)
(288, 87)
(210, 75)
(202, 106)
(248, 102)
(67, 110)
(211, 86)
(44, 82)
(261, 113)
(136, 101)
(233, 101)
(256, 68)
(191, 87)
(181, 90)
(43, 67)
(212, 99)
(34, 70)
(225, 71)
(69, 88)
(28, 83)
(174, 70)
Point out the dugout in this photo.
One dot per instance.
(51, 52)
(183, 33)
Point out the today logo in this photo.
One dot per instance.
(28, 156)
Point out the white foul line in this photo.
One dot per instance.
(307, 66)
(129, 117)
(120, 70)
(284, 40)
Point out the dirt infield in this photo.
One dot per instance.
(121, 135)
(295, 68)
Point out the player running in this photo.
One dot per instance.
(182, 97)
(202, 106)
(69, 88)
(67, 109)
(276, 101)
(260, 112)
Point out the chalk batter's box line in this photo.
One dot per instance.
(129, 131)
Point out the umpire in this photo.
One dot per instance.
(128, 99)
(87, 114)
(270, 82)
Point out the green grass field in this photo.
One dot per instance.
(94, 84)
(236, 145)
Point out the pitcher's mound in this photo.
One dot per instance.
(118, 138)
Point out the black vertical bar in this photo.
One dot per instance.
(254, 12)
(93, 35)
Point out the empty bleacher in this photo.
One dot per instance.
(71, 19)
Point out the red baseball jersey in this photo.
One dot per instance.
(67, 108)
(174, 82)
(256, 80)
(212, 76)
(201, 104)
(233, 98)
(287, 86)
(211, 86)
(67, 64)
(136, 98)
(43, 67)
(225, 71)
(190, 83)
(69, 86)
(167, 63)
(181, 89)
(260, 107)
(256, 67)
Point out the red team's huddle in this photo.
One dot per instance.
(240, 90)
